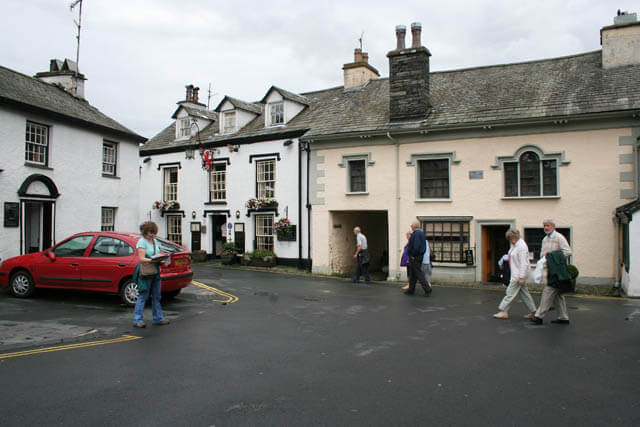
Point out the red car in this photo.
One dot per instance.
(95, 261)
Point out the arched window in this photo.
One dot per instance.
(530, 177)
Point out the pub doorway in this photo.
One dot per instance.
(494, 246)
(218, 233)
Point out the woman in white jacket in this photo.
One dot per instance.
(519, 264)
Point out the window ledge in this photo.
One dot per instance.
(530, 198)
(217, 202)
(35, 165)
(104, 175)
(357, 193)
(433, 200)
(453, 265)
(279, 125)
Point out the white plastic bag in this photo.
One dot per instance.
(538, 273)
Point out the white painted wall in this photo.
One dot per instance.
(241, 185)
(75, 166)
(631, 281)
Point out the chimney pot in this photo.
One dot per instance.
(401, 31)
(195, 94)
(357, 55)
(365, 57)
(416, 30)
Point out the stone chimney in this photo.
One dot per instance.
(409, 77)
(359, 72)
(64, 74)
(621, 41)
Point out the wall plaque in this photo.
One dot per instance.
(11, 214)
(476, 174)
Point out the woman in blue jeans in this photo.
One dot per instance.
(146, 248)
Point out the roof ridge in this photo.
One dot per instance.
(533, 61)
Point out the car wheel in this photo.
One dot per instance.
(21, 285)
(171, 294)
(129, 293)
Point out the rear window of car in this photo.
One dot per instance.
(110, 247)
(166, 246)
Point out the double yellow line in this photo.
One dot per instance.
(68, 347)
(228, 297)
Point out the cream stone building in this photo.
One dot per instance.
(473, 152)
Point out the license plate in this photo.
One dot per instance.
(180, 261)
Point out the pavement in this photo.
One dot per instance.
(274, 349)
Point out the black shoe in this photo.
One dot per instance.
(561, 321)
(427, 291)
(536, 320)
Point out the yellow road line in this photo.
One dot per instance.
(229, 298)
(69, 346)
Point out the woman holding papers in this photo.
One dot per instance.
(149, 276)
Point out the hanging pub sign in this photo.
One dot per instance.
(207, 159)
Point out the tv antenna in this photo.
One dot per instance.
(78, 24)
(210, 95)
(360, 39)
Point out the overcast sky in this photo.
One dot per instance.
(139, 54)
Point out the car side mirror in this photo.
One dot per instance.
(51, 255)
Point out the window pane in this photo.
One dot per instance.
(108, 219)
(171, 184)
(74, 247)
(447, 240)
(357, 176)
(533, 237)
(217, 182)
(266, 178)
(174, 228)
(511, 180)
(109, 158)
(529, 174)
(36, 143)
(277, 112)
(264, 232)
(110, 247)
(434, 179)
(549, 182)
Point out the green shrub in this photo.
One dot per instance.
(261, 254)
(229, 247)
(573, 271)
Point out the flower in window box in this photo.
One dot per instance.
(261, 203)
(285, 230)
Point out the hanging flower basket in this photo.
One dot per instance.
(285, 231)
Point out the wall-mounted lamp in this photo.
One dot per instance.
(189, 153)
(288, 142)
(146, 159)
(193, 214)
(237, 214)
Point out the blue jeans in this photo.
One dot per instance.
(153, 288)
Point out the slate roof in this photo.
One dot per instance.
(555, 88)
(247, 106)
(22, 91)
(286, 95)
(197, 112)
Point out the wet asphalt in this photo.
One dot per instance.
(298, 350)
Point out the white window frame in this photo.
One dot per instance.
(174, 228)
(276, 113)
(185, 127)
(36, 144)
(108, 219)
(170, 189)
(109, 158)
(229, 121)
(264, 232)
(218, 183)
(265, 179)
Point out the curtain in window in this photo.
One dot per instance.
(434, 179)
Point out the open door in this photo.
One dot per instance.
(494, 246)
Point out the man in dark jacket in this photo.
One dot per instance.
(416, 250)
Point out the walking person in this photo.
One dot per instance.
(404, 260)
(553, 241)
(427, 265)
(148, 284)
(416, 250)
(362, 257)
(519, 266)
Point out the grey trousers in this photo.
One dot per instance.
(512, 292)
(549, 296)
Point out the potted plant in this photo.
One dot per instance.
(263, 258)
(228, 254)
(257, 204)
(199, 256)
(246, 258)
(165, 205)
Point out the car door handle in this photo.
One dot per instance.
(122, 265)
(75, 264)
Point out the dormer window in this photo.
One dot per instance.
(185, 127)
(276, 113)
(229, 121)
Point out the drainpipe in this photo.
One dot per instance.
(300, 205)
(397, 195)
(616, 286)
(307, 149)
